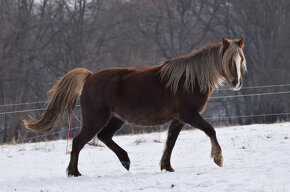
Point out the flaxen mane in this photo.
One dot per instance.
(204, 66)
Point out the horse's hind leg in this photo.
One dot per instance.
(173, 132)
(197, 121)
(91, 126)
(106, 134)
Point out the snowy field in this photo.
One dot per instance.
(256, 158)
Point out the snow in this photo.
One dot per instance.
(256, 158)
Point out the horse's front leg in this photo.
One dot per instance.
(197, 121)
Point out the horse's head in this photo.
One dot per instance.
(233, 62)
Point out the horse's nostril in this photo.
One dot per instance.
(235, 82)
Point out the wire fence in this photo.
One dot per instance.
(213, 97)
(17, 104)
(257, 87)
(207, 118)
(39, 136)
(220, 89)
(248, 116)
(250, 95)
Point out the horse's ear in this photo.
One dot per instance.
(225, 43)
(241, 42)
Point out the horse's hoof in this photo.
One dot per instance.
(126, 164)
(71, 173)
(218, 160)
(169, 169)
(166, 167)
(74, 174)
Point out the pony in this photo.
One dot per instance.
(176, 90)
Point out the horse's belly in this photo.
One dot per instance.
(142, 118)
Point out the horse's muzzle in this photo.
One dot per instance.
(236, 85)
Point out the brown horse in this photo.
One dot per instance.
(175, 91)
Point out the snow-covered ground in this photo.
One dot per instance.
(256, 158)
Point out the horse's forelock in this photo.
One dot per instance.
(230, 54)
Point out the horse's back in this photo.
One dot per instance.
(116, 79)
(101, 86)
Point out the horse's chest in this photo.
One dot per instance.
(196, 103)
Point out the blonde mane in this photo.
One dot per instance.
(203, 67)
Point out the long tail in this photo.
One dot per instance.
(63, 96)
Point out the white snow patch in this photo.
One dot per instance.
(256, 158)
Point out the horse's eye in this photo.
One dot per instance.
(243, 71)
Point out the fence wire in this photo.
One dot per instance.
(214, 97)
(219, 89)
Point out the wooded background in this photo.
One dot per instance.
(42, 40)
